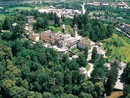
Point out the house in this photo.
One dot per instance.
(34, 37)
(125, 27)
(83, 43)
(30, 19)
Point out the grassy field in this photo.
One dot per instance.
(118, 47)
(2, 16)
(11, 10)
(87, 67)
(20, 8)
(55, 29)
(98, 12)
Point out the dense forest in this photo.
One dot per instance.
(32, 71)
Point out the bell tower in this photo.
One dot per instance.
(75, 31)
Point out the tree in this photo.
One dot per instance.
(68, 89)
(48, 95)
(110, 31)
(73, 65)
(68, 96)
(1, 25)
(94, 54)
(98, 73)
(85, 95)
(82, 60)
(111, 79)
(57, 21)
(99, 88)
(74, 20)
(6, 24)
(33, 94)
(126, 74)
(16, 92)
(128, 96)
(39, 23)
(17, 32)
(87, 87)
(126, 90)
(7, 36)
(86, 52)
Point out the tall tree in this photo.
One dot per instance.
(94, 54)
(82, 60)
(111, 79)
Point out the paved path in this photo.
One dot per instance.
(90, 70)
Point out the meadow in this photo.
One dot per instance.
(118, 46)
(2, 16)
(19, 8)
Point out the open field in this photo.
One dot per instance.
(98, 12)
(2, 16)
(118, 47)
(20, 8)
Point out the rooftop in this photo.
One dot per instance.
(29, 17)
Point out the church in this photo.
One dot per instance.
(62, 40)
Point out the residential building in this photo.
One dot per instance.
(85, 43)
(30, 19)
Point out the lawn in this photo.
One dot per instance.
(55, 29)
(2, 16)
(20, 8)
(87, 67)
(118, 46)
(98, 12)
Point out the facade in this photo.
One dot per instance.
(34, 37)
(75, 31)
(30, 19)
(85, 43)
(59, 39)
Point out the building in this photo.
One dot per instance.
(125, 27)
(30, 19)
(61, 40)
(33, 36)
(75, 31)
(85, 43)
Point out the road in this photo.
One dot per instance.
(122, 32)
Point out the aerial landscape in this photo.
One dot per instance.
(64, 48)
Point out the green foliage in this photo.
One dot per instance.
(82, 60)
(115, 45)
(7, 36)
(126, 90)
(32, 72)
(92, 28)
(94, 54)
(112, 78)
(126, 74)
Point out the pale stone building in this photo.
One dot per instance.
(30, 19)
